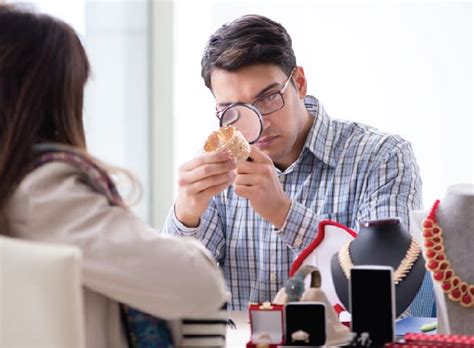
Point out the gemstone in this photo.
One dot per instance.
(446, 285)
(438, 247)
(440, 257)
(448, 274)
(463, 287)
(456, 293)
(438, 276)
(455, 282)
(427, 234)
(430, 253)
(443, 265)
(436, 230)
(436, 240)
(428, 223)
(466, 299)
(429, 244)
(471, 290)
(432, 265)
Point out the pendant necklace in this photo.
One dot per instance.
(400, 273)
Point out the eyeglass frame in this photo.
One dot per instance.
(255, 109)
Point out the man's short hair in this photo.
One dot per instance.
(248, 40)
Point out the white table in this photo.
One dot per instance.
(240, 336)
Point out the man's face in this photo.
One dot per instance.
(283, 130)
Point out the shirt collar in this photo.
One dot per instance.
(320, 140)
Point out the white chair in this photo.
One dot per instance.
(41, 301)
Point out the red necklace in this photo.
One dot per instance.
(437, 262)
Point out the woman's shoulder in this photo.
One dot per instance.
(49, 173)
(49, 177)
(48, 185)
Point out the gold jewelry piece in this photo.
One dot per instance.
(402, 270)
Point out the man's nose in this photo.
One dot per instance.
(266, 122)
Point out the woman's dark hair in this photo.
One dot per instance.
(248, 40)
(43, 71)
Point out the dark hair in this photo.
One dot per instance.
(43, 71)
(248, 40)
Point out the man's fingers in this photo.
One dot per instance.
(214, 190)
(258, 155)
(205, 171)
(248, 179)
(207, 158)
(243, 190)
(265, 169)
(198, 187)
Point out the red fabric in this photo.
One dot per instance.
(338, 308)
(253, 345)
(314, 244)
(426, 345)
(444, 339)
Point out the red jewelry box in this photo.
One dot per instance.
(267, 327)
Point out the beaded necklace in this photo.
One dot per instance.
(437, 262)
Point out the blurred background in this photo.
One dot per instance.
(403, 67)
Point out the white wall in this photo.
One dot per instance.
(117, 101)
(117, 110)
(404, 68)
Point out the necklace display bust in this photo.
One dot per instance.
(455, 216)
(383, 243)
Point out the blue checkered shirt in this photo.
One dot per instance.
(346, 172)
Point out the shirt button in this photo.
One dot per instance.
(273, 277)
(281, 178)
(298, 241)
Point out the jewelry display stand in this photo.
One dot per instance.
(455, 217)
(336, 333)
(382, 243)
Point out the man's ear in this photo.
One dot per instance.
(300, 81)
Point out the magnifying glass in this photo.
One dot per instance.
(246, 118)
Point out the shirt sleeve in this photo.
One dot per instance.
(393, 187)
(123, 258)
(210, 230)
(300, 227)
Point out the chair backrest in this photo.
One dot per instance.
(41, 299)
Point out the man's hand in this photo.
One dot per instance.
(257, 181)
(198, 181)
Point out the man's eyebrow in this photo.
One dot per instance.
(259, 94)
(266, 89)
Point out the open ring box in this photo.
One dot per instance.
(266, 325)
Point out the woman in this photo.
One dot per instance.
(51, 190)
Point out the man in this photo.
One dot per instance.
(256, 216)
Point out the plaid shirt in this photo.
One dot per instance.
(346, 172)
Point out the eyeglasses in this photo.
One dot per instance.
(247, 118)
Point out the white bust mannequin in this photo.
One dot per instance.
(455, 216)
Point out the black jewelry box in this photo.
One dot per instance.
(305, 324)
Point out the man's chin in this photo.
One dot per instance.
(272, 153)
(270, 149)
